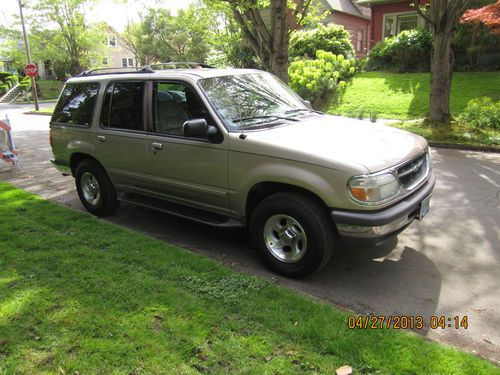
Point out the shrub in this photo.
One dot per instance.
(330, 38)
(408, 51)
(481, 113)
(7, 81)
(317, 80)
(25, 84)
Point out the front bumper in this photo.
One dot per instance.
(372, 228)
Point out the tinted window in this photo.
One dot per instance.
(122, 107)
(76, 104)
(174, 104)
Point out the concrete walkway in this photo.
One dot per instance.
(447, 265)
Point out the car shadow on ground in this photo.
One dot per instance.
(393, 280)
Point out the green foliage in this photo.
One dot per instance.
(25, 84)
(7, 81)
(80, 295)
(330, 38)
(317, 80)
(482, 113)
(406, 96)
(228, 46)
(73, 44)
(408, 51)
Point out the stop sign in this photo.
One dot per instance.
(31, 70)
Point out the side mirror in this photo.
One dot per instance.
(198, 128)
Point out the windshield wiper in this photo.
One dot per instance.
(264, 117)
(289, 112)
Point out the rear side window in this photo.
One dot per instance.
(123, 106)
(76, 104)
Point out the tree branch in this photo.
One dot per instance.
(244, 27)
(416, 4)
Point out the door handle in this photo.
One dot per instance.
(101, 138)
(157, 146)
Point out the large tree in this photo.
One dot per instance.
(72, 44)
(443, 17)
(162, 36)
(267, 24)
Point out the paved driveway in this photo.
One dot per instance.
(447, 265)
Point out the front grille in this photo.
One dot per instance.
(413, 173)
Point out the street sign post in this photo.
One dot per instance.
(29, 66)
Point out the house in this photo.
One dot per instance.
(354, 18)
(118, 54)
(390, 17)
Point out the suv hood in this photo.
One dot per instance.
(336, 142)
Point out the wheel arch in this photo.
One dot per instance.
(262, 190)
(77, 157)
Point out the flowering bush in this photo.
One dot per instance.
(317, 80)
(330, 38)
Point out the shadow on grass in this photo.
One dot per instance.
(79, 294)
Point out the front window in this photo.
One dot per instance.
(249, 100)
(395, 23)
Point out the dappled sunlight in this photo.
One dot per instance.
(16, 304)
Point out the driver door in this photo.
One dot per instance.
(189, 171)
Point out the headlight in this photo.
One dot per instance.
(373, 189)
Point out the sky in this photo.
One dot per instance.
(117, 14)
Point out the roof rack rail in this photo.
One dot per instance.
(178, 65)
(113, 70)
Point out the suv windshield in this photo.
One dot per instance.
(257, 99)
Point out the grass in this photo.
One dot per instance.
(42, 111)
(49, 89)
(454, 134)
(82, 295)
(406, 96)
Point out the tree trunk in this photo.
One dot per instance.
(441, 77)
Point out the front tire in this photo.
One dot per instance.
(94, 188)
(293, 234)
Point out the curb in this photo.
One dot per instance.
(37, 114)
(463, 147)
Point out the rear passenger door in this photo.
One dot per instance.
(120, 143)
(189, 171)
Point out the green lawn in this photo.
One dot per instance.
(49, 89)
(406, 96)
(80, 295)
(454, 134)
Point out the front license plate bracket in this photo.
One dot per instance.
(424, 208)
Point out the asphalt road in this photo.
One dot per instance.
(447, 265)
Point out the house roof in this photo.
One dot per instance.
(347, 6)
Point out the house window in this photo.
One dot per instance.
(105, 61)
(127, 62)
(394, 23)
(111, 40)
(359, 41)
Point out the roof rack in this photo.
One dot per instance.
(119, 70)
(179, 65)
(146, 68)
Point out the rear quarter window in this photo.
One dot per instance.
(76, 104)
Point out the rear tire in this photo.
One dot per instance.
(95, 189)
(293, 233)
